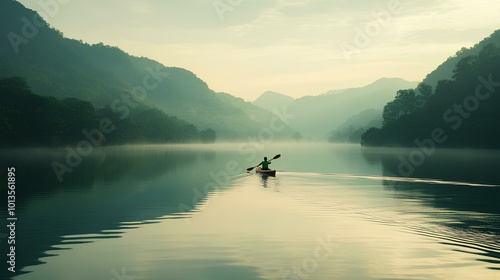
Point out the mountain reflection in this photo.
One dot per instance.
(113, 189)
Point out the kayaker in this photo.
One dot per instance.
(265, 164)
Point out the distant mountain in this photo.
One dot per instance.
(59, 67)
(317, 116)
(352, 129)
(335, 91)
(270, 100)
(255, 113)
(445, 70)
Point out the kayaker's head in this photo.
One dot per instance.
(265, 158)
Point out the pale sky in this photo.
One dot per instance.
(295, 47)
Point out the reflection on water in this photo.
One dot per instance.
(331, 212)
(269, 181)
(109, 188)
(461, 181)
(475, 166)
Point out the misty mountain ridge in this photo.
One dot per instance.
(381, 83)
(352, 129)
(108, 77)
(317, 116)
(270, 100)
(55, 66)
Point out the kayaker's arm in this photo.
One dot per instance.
(275, 157)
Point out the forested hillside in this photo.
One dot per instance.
(445, 70)
(27, 119)
(106, 76)
(461, 112)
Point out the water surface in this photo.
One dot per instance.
(192, 212)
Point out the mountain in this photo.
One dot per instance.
(352, 129)
(335, 91)
(317, 116)
(445, 70)
(462, 112)
(270, 100)
(62, 68)
(255, 113)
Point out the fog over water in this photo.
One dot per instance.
(190, 211)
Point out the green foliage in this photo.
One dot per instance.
(355, 126)
(445, 70)
(406, 102)
(468, 119)
(64, 68)
(208, 135)
(297, 136)
(27, 119)
(316, 116)
(371, 134)
(159, 128)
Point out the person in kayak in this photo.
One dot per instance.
(265, 164)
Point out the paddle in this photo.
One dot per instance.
(275, 157)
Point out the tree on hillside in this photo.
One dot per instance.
(424, 94)
(208, 135)
(27, 119)
(465, 108)
(405, 103)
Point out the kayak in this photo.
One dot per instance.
(269, 172)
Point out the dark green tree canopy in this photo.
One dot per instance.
(27, 119)
(466, 107)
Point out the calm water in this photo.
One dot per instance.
(192, 212)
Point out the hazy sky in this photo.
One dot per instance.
(296, 47)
